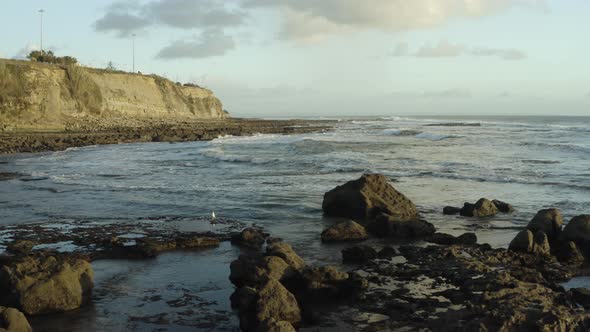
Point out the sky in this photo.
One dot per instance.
(282, 58)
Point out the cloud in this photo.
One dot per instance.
(448, 93)
(124, 18)
(385, 15)
(442, 49)
(211, 43)
(446, 49)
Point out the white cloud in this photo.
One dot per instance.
(210, 43)
(446, 49)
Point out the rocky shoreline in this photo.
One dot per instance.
(414, 279)
(84, 134)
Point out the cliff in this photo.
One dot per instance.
(38, 96)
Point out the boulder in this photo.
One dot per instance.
(250, 237)
(358, 254)
(12, 320)
(243, 298)
(255, 270)
(366, 198)
(345, 231)
(447, 239)
(548, 221)
(286, 252)
(46, 285)
(196, 242)
(578, 231)
(503, 206)
(387, 226)
(272, 325)
(482, 208)
(567, 252)
(276, 302)
(323, 281)
(450, 210)
(21, 247)
(525, 241)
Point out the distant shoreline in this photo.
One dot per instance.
(12, 142)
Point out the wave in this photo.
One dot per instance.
(435, 137)
(217, 153)
(540, 162)
(400, 132)
(568, 147)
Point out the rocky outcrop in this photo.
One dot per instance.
(254, 270)
(358, 254)
(578, 231)
(250, 237)
(482, 208)
(503, 206)
(451, 210)
(286, 252)
(388, 226)
(277, 303)
(366, 198)
(44, 96)
(345, 231)
(548, 221)
(12, 320)
(323, 281)
(46, 285)
(525, 241)
(271, 325)
(447, 239)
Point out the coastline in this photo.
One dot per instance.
(151, 131)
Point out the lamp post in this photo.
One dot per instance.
(41, 11)
(133, 41)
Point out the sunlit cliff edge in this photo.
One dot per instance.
(40, 96)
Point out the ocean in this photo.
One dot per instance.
(278, 182)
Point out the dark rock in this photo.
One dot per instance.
(12, 320)
(249, 237)
(447, 239)
(482, 208)
(196, 242)
(578, 231)
(503, 206)
(525, 241)
(387, 226)
(243, 298)
(367, 198)
(21, 247)
(46, 285)
(581, 296)
(567, 252)
(272, 325)
(450, 210)
(345, 231)
(358, 254)
(548, 221)
(387, 252)
(323, 281)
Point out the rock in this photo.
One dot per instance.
(578, 231)
(12, 320)
(503, 206)
(286, 252)
(272, 325)
(581, 296)
(323, 281)
(482, 208)
(367, 198)
(450, 210)
(567, 252)
(387, 226)
(447, 239)
(525, 241)
(21, 247)
(46, 285)
(548, 221)
(196, 242)
(276, 302)
(345, 231)
(249, 237)
(243, 298)
(358, 254)
(255, 270)
(387, 252)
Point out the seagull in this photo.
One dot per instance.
(213, 218)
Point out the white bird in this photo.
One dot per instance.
(213, 218)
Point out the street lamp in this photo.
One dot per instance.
(41, 11)
(133, 41)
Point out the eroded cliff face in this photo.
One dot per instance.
(36, 96)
